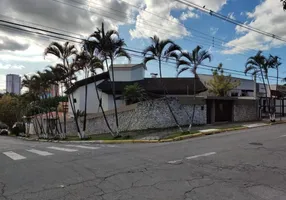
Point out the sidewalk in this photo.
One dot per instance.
(166, 135)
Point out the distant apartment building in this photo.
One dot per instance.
(13, 83)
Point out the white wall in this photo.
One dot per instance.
(137, 73)
(76, 95)
(121, 74)
(92, 100)
(128, 73)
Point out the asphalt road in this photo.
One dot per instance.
(247, 164)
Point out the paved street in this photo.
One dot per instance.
(247, 164)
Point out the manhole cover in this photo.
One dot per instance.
(256, 143)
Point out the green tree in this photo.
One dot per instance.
(260, 65)
(191, 61)
(95, 63)
(65, 53)
(274, 63)
(161, 50)
(221, 84)
(109, 46)
(134, 93)
(10, 109)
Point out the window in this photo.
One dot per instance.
(74, 100)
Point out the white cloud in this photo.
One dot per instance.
(231, 15)
(267, 16)
(13, 67)
(187, 15)
(213, 30)
(171, 27)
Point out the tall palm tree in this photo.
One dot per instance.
(274, 63)
(65, 53)
(109, 46)
(258, 65)
(59, 77)
(94, 63)
(191, 61)
(161, 50)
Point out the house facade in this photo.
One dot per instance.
(126, 75)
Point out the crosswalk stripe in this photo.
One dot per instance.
(83, 147)
(63, 149)
(13, 155)
(41, 153)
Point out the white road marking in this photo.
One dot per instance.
(174, 161)
(13, 155)
(41, 153)
(282, 136)
(201, 155)
(63, 149)
(83, 147)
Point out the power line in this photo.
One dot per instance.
(148, 24)
(225, 18)
(39, 25)
(62, 38)
(209, 37)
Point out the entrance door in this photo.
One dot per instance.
(223, 111)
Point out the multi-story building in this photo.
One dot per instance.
(13, 83)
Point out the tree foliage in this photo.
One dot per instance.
(10, 109)
(134, 93)
(284, 4)
(221, 84)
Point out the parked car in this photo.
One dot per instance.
(4, 132)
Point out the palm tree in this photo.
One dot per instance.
(259, 65)
(191, 61)
(161, 50)
(94, 63)
(65, 52)
(109, 46)
(274, 63)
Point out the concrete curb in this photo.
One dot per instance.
(179, 138)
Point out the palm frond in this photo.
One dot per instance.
(147, 59)
(150, 49)
(172, 48)
(182, 70)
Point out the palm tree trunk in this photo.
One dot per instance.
(265, 88)
(166, 99)
(277, 77)
(194, 106)
(102, 110)
(85, 103)
(271, 103)
(65, 122)
(80, 134)
(75, 116)
(114, 99)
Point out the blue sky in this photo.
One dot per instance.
(23, 54)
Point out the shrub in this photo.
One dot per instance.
(18, 128)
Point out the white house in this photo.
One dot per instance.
(125, 74)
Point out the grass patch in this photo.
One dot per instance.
(100, 137)
(177, 134)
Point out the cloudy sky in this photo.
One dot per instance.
(137, 20)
